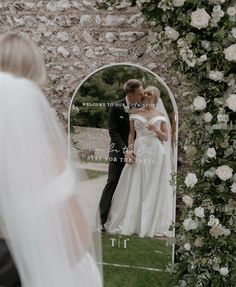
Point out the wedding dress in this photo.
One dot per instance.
(44, 226)
(143, 200)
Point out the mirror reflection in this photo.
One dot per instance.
(123, 125)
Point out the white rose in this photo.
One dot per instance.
(187, 200)
(210, 172)
(223, 118)
(216, 266)
(178, 3)
(199, 103)
(187, 246)
(231, 102)
(216, 230)
(224, 271)
(224, 172)
(171, 33)
(199, 212)
(230, 53)
(200, 18)
(208, 117)
(231, 11)
(216, 76)
(190, 224)
(213, 221)
(233, 187)
(190, 180)
(211, 152)
(202, 59)
(227, 231)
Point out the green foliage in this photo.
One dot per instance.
(106, 86)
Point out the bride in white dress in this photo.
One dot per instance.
(143, 200)
(44, 226)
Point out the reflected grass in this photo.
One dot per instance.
(140, 252)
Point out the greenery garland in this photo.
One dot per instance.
(203, 35)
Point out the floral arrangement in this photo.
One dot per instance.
(203, 36)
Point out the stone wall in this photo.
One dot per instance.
(76, 38)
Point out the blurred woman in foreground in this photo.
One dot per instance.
(43, 224)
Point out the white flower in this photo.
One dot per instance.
(222, 118)
(231, 11)
(199, 103)
(211, 152)
(213, 221)
(181, 43)
(216, 76)
(234, 177)
(227, 231)
(224, 271)
(171, 33)
(216, 15)
(230, 53)
(215, 262)
(210, 172)
(206, 44)
(187, 200)
(216, 266)
(233, 187)
(126, 108)
(208, 117)
(188, 56)
(233, 31)
(200, 18)
(190, 224)
(202, 59)
(224, 172)
(187, 246)
(178, 3)
(199, 212)
(217, 230)
(231, 102)
(215, 2)
(190, 180)
(198, 242)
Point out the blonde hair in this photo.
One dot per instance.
(155, 92)
(21, 57)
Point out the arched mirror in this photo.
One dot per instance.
(123, 126)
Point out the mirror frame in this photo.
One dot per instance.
(175, 108)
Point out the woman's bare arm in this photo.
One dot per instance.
(131, 135)
(163, 132)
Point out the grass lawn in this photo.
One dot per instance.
(140, 252)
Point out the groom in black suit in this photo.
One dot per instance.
(119, 132)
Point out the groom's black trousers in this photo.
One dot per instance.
(8, 274)
(115, 169)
